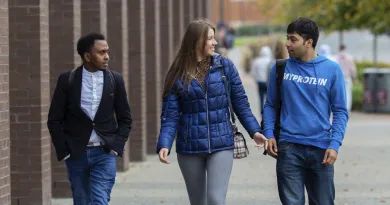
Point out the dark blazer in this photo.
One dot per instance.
(70, 127)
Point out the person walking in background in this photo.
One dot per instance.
(230, 37)
(196, 110)
(312, 88)
(348, 66)
(326, 51)
(220, 37)
(89, 122)
(260, 69)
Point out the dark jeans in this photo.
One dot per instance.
(92, 176)
(262, 87)
(299, 166)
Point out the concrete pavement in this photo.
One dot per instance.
(362, 170)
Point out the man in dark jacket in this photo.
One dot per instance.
(89, 122)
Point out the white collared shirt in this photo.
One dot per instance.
(91, 95)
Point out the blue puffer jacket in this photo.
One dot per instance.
(200, 118)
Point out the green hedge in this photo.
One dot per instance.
(357, 96)
(357, 90)
(259, 29)
(361, 65)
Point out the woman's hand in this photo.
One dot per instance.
(163, 155)
(261, 140)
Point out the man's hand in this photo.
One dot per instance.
(163, 155)
(272, 148)
(330, 157)
(260, 140)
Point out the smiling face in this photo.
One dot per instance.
(210, 43)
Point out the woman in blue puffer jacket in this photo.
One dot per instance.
(195, 109)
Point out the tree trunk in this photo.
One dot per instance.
(341, 37)
(375, 51)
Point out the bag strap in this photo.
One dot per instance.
(233, 117)
(112, 78)
(280, 67)
(72, 74)
(228, 98)
(71, 77)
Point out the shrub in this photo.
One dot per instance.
(361, 65)
(259, 29)
(357, 90)
(357, 96)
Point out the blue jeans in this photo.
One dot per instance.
(299, 166)
(262, 88)
(92, 176)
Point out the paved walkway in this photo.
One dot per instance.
(362, 170)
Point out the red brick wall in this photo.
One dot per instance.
(191, 9)
(65, 30)
(170, 34)
(93, 16)
(117, 41)
(29, 102)
(178, 28)
(237, 11)
(198, 9)
(207, 9)
(182, 19)
(137, 78)
(166, 42)
(152, 31)
(187, 14)
(5, 188)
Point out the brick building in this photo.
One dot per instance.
(236, 12)
(37, 43)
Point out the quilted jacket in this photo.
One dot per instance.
(200, 118)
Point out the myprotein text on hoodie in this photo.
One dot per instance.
(310, 92)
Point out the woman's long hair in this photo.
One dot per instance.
(183, 66)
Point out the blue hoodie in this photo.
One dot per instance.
(310, 92)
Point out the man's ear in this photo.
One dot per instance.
(87, 57)
(309, 43)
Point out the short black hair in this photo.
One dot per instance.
(306, 28)
(86, 43)
(342, 47)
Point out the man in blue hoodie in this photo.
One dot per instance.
(313, 87)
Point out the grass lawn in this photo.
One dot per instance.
(244, 40)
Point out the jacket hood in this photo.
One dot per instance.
(317, 60)
(325, 50)
(265, 52)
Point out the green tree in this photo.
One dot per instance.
(273, 11)
(373, 15)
